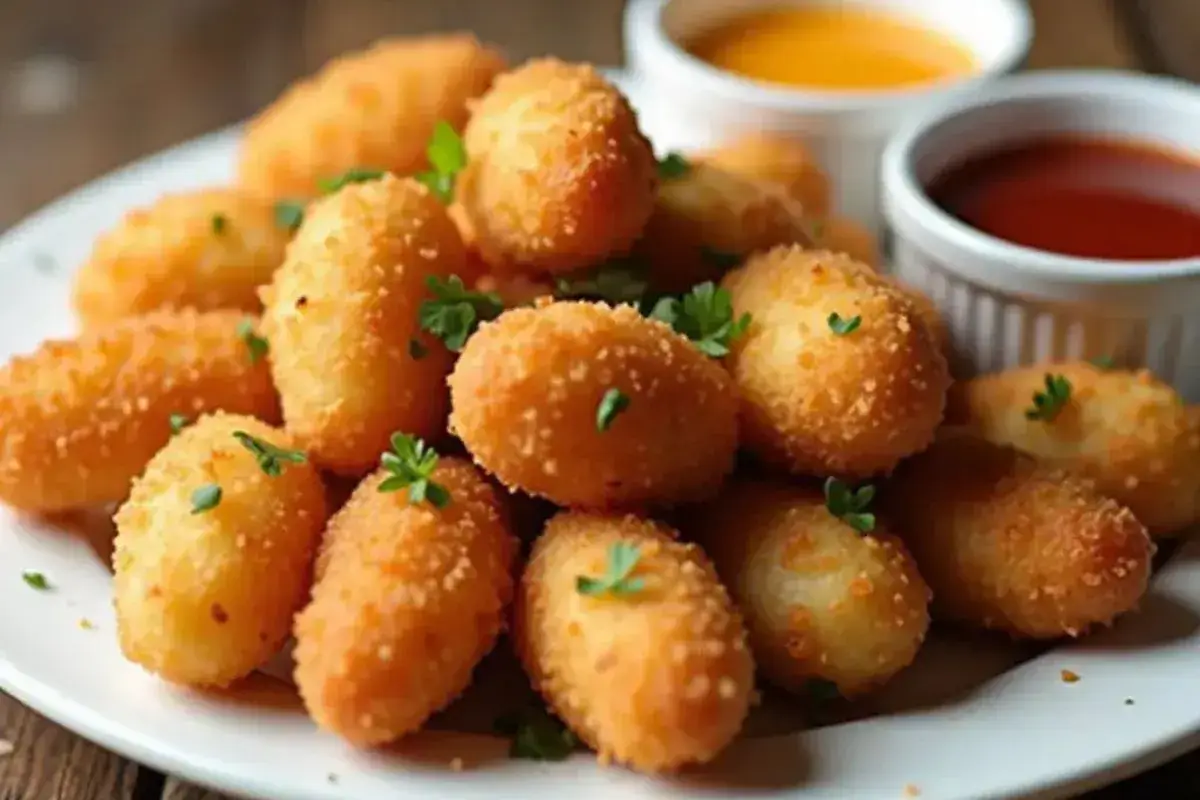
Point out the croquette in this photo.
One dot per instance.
(1126, 430)
(780, 160)
(374, 109)
(1014, 545)
(341, 314)
(558, 176)
(838, 373)
(821, 600)
(206, 586)
(592, 406)
(79, 419)
(708, 220)
(515, 290)
(409, 599)
(207, 250)
(652, 671)
(847, 236)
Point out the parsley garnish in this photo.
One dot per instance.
(455, 312)
(352, 175)
(1103, 362)
(206, 498)
(704, 315)
(615, 282)
(841, 327)
(178, 422)
(35, 580)
(536, 735)
(412, 463)
(447, 155)
(270, 458)
(219, 223)
(850, 506)
(673, 165)
(611, 405)
(622, 558)
(720, 259)
(1047, 404)
(289, 214)
(256, 344)
(416, 350)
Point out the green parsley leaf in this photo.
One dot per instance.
(411, 463)
(289, 214)
(269, 457)
(352, 175)
(1047, 404)
(35, 580)
(611, 406)
(842, 327)
(537, 735)
(622, 558)
(219, 223)
(673, 165)
(256, 344)
(455, 312)
(178, 422)
(850, 506)
(1104, 362)
(719, 258)
(619, 281)
(206, 498)
(416, 350)
(704, 315)
(447, 155)
(821, 690)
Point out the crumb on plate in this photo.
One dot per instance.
(1069, 677)
(912, 790)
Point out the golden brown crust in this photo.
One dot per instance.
(409, 600)
(80, 419)
(656, 680)
(526, 390)
(781, 160)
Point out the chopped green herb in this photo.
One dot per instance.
(35, 580)
(1048, 404)
(537, 735)
(219, 223)
(1103, 362)
(178, 422)
(611, 406)
(416, 350)
(289, 214)
(720, 259)
(622, 558)
(447, 155)
(206, 498)
(411, 463)
(704, 315)
(455, 312)
(841, 327)
(619, 281)
(352, 175)
(270, 458)
(850, 506)
(256, 344)
(821, 690)
(673, 165)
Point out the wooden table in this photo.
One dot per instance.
(87, 85)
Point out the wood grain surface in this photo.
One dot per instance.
(87, 85)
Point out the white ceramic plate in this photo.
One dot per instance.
(973, 718)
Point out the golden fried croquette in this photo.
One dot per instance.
(342, 312)
(515, 290)
(1127, 431)
(409, 599)
(654, 674)
(528, 389)
(206, 250)
(80, 419)
(851, 396)
(781, 160)
(928, 311)
(821, 600)
(205, 595)
(372, 109)
(558, 175)
(1010, 544)
(708, 220)
(847, 236)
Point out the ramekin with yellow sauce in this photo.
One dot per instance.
(841, 75)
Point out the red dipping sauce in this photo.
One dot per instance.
(1094, 198)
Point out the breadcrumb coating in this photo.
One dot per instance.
(79, 419)
(656, 679)
(526, 390)
(1010, 544)
(781, 160)
(409, 599)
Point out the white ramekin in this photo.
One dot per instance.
(688, 104)
(1007, 305)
